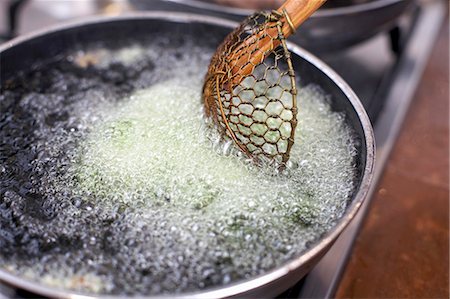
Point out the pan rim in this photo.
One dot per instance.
(321, 13)
(240, 286)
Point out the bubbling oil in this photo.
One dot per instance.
(128, 190)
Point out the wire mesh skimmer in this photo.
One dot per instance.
(250, 91)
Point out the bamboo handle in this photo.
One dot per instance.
(298, 11)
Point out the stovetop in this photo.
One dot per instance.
(383, 71)
(386, 91)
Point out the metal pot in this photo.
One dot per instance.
(327, 30)
(21, 53)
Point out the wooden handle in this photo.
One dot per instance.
(298, 11)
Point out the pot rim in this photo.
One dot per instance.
(321, 13)
(241, 286)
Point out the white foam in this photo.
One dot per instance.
(186, 216)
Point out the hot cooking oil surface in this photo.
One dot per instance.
(129, 191)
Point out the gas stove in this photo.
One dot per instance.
(383, 71)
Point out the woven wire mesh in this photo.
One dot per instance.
(253, 102)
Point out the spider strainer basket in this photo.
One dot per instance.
(250, 91)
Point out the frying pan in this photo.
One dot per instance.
(20, 54)
(329, 29)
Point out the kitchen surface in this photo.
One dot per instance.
(402, 249)
(398, 245)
